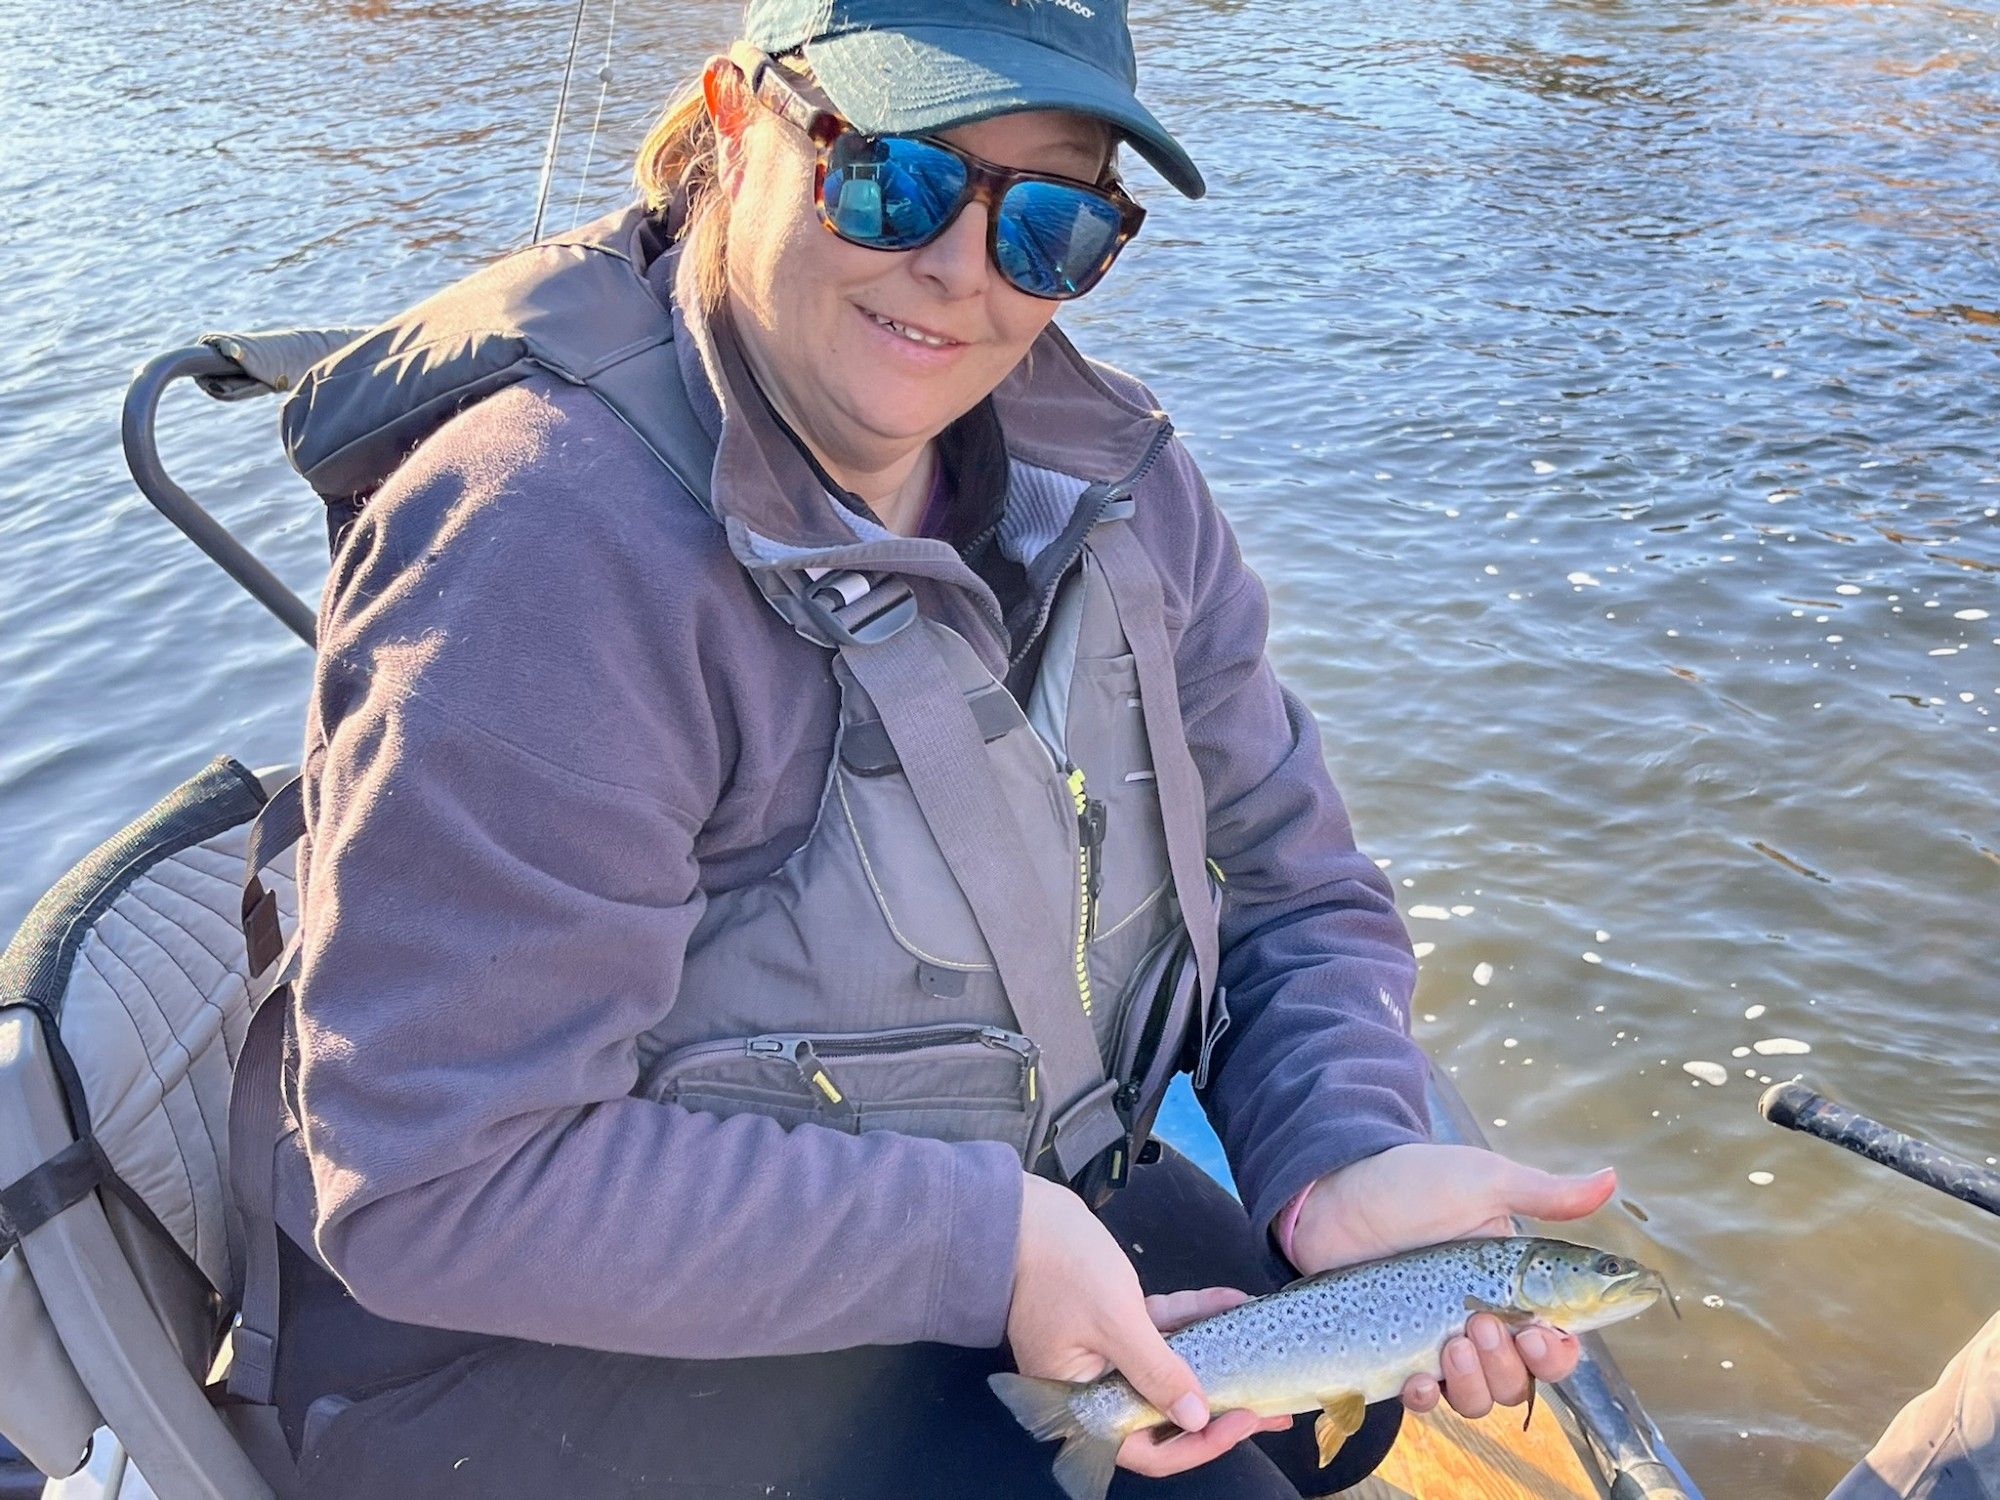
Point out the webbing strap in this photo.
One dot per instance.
(38, 1195)
(278, 825)
(256, 1100)
(1135, 594)
(944, 757)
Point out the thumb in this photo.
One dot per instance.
(1158, 1374)
(1543, 1195)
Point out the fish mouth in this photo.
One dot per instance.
(1649, 1285)
(1615, 1300)
(1642, 1287)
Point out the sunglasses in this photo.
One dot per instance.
(1051, 237)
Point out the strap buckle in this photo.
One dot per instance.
(883, 611)
(253, 1363)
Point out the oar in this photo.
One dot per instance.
(1796, 1106)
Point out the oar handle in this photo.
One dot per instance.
(1796, 1106)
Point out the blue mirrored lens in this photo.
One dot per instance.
(888, 192)
(1053, 241)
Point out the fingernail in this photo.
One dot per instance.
(1190, 1413)
(1485, 1333)
(1461, 1358)
(1533, 1343)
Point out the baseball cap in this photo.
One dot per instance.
(904, 67)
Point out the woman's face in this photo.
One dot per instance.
(812, 307)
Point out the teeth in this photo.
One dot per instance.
(911, 334)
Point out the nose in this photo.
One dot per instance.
(955, 263)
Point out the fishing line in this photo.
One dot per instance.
(597, 121)
(555, 125)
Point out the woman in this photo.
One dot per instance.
(759, 788)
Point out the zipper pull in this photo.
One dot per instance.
(995, 1036)
(826, 1094)
(1022, 1048)
(1095, 818)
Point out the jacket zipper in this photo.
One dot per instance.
(1085, 860)
(1097, 503)
(1090, 814)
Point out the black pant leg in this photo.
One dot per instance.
(520, 1421)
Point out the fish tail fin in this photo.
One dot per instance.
(1086, 1463)
(1041, 1406)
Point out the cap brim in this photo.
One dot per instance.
(918, 80)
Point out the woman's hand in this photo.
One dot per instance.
(1078, 1311)
(1415, 1195)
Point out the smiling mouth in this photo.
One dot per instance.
(911, 332)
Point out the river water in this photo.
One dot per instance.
(1605, 391)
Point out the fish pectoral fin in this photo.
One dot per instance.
(1513, 1317)
(1339, 1419)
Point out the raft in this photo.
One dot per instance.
(107, 1304)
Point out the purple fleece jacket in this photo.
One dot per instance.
(552, 714)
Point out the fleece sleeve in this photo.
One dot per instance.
(1316, 1069)
(514, 743)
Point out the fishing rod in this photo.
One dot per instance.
(555, 125)
(1796, 1106)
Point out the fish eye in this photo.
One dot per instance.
(1612, 1265)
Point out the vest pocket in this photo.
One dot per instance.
(947, 1082)
(1153, 1027)
(1107, 735)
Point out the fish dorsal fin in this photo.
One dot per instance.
(1339, 1419)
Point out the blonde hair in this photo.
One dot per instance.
(676, 171)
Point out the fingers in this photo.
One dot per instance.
(1486, 1367)
(1464, 1379)
(1543, 1195)
(1174, 1310)
(1549, 1354)
(1158, 1374)
(1143, 1455)
(1421, 1394)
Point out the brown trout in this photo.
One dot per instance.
(1334, 1342)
